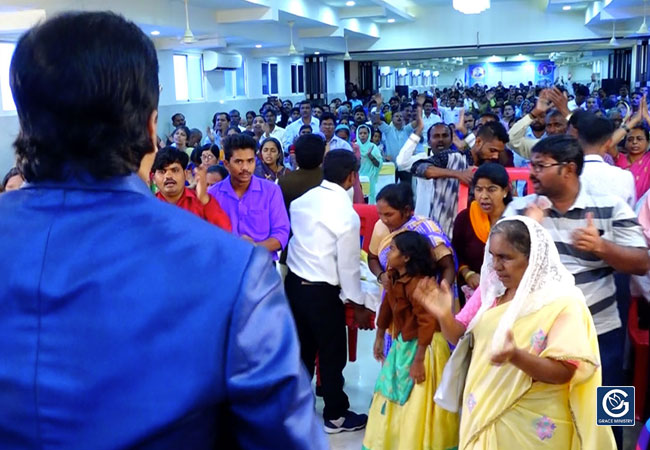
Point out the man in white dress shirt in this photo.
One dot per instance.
(293, 130)
(324, 272)
(429, 117)
(272, 129)
(598, 177)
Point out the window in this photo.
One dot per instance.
(269, 78)
(297, 78)
(6, 52)
(188, 77)
(235, 81)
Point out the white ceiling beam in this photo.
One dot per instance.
(399, 8)
(320, 32)
(246, 15)
(365, 11)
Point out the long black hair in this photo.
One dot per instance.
(418, 249)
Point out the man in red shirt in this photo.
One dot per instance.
(169, 176)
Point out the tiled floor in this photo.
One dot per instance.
(360, 377)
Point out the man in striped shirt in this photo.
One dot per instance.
(595, 236)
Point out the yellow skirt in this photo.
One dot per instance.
(418, 424)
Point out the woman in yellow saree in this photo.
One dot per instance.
(534, 369)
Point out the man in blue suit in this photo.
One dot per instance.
(109, 338)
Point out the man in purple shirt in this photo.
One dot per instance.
(255, 206)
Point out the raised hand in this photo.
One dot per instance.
(437, 300)
(202, 184)
(588, 238)
(644, 109)
(507, 352)
(210, 134)
(460, 125)
(559, 100)
(543, 104)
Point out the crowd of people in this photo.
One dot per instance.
(531, 278)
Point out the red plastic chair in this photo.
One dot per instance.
(641, 343)
(369, 217)
(515, 174)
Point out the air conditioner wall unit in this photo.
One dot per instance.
(221, 61)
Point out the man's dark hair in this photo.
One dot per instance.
(553, 113)
(440, 124)
(489, 114)
(327, 116)
(563, 149)
(309, 150)
(338, 165)
(177, 114)
(358, 109)
(493, 130)
(238, 142)
(594, 130)
(428, 100)
(294, 109)
(168, 156)
(85, 85)
(304, 102)
(214, 118)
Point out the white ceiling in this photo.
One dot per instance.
(238, 25)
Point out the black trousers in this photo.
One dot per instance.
(320, 320)
(403, 176)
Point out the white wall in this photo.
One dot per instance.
(8, 132)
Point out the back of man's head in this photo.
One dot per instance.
(563, 149)
(309, 150)
(338, 165)
(493, 130)
(168, 156)
(238, 142)
(85, 87)
(594, 130)
(328, 116)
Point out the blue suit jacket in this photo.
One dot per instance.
(126, 321)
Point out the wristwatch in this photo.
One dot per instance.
(625, 127)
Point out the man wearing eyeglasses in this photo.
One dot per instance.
(169, 177)
(596, 235)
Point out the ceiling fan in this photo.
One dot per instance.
(189, 38)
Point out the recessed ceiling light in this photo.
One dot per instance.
(155, 33)
(391, 20)
(350, 3)
(258, 46)
(566, 7)
(316, 53)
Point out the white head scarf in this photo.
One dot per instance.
(544, 280)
